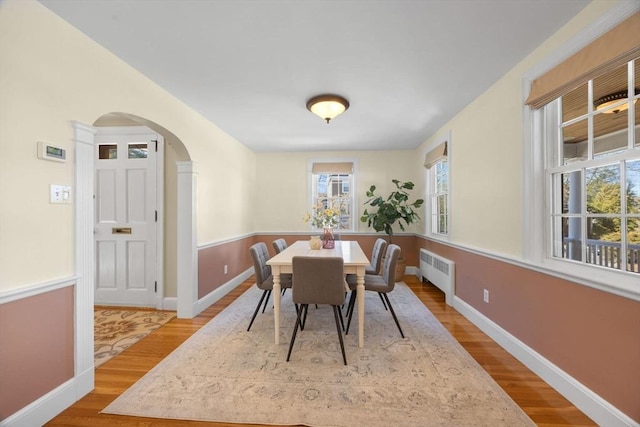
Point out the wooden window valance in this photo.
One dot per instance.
(435, 155)
(614, 48)
(340, 168)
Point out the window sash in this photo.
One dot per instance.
(334, 195)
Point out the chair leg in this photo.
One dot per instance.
(295, 330)
(255, 313)
(267, 300)
(383, 303)
(393, 314)
(350, 307)
(336, 309)
(304, 317)
(341, 318)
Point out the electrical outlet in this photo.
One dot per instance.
(486, 296)
(225, 269)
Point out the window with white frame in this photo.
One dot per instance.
(331, 187)
(593, 170)
(582, 162)
(437, 164)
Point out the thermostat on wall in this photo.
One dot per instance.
(51, 152)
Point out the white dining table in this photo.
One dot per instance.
(355, 262)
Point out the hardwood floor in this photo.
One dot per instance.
(543, 404)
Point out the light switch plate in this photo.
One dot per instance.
(60, 194)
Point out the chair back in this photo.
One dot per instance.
(389, 267)
(377, 255)
(260, 256)
(279, 245)
(318, 280)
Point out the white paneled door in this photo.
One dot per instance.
(126, 216)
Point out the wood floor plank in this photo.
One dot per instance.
(545, 406)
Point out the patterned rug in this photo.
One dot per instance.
(225, 374)
(116, 330)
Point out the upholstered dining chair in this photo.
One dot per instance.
(382, 284)
(377, 254)
(317, 281)
(376, 257)
(279, 245)
(264, 278)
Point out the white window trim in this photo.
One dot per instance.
(537, 207)
(446, 137)
(355, 220)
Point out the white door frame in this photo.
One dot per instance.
(187, 263)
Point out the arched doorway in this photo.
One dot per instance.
(180, 255)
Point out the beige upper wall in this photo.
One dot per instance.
(486, 160)
(50, 75)
(283, 196)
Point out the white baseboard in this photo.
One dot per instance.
(412, 271)
(594, 406)
(44, 409)
(218, 293)
(170, 303)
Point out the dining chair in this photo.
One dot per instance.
(264, 278)
(382, 284)
(377, 254)
(317, 281)
(279, 245)
(376, 257)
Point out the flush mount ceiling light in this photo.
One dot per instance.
(608, 100)
(327, 107)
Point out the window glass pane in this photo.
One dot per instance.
(574, 137)
(574, 104)
(441, 177)
(571, 192)
(604, 242)
(611, 89)
(633, 245)
(138, 151)
(570, 230)
(603, 189)
(633, 186)
(333, 191)
(610, 134)
(107, 151)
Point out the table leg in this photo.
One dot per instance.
(360, 301)
(275, 270)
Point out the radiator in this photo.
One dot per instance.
(439, 271)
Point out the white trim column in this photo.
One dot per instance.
(187, 262)
(83, 137)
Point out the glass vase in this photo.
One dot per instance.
(328, 241)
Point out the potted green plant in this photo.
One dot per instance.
(395, 208)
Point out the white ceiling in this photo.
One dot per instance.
(406, 66)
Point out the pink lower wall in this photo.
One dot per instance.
(592, 335)
(36, 347)
(211, 262)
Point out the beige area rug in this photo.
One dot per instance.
(224, 373)
(116, 330)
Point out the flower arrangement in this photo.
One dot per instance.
(323, 217)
